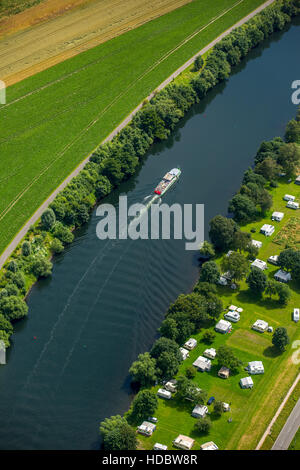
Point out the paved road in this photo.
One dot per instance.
(14, 243)
(268, 430)
(289, 429)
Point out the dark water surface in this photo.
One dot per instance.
(106, 299)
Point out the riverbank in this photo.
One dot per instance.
(113, 162)
(106, 300)
(250, 410)
(44, 156)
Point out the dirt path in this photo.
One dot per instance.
(14, 243)
(41, 46)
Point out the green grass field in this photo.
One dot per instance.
(295, 444)
(54, 119)
(251, 410)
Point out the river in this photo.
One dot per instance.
(68, 365)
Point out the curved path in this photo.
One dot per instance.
(20, 235)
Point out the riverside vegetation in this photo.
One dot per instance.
(113, 162)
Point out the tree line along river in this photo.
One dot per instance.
(68, 365)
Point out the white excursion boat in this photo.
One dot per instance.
(168, 180)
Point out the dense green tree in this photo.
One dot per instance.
(167, 364)
(208, 336)
(48, 219)
(169, 329)
(13, 266)
(13, 308)
(241, 241)
(103, 187)
(144, 404)
(5, 325)
(218, 408)
(210, 273)
(268, 168)
(236, 264)
(242, 208)
(283, 293)
(198, 63)
(194, 307)
(26, 248)
(221, 232)
(143, 370)
(117, 434)
(190, 371)
(207, 250)
(62, 233)
(4, 336)
(280, 338)
(289, 158)
(257, 281)
(41, 267)
(226, 358)
(292, 132)
(203, 425)
(56, 246)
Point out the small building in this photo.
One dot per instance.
(258, 263)
(210, 353)
(223, 326)
(158, 446)
(297, 180)
(292, 205)
(282, 276)
(170, 387)
(288, 197)
(229, 253)
(233, 308)
(255, 367)
(296, 315)
(240, 310)
(270, 329)
(260, 325)
(267, 230)
(183, 442)
(224, 372)
(146, 428)
(226, 407)
(162, 393)
(256, 243)
(273, 259)
(184, 352)
(209, 446)
(232, 316)
(199, 411)
(190, 344)
(246, 382)
(202, 364)
(278, 216)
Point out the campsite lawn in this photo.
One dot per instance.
(251, 410)
(54, 119)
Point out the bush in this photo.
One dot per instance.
(41, 267)
(191, 372)
(26, 248)
(208, 337)
(13, 308)
(203, 425)
(56, 246)
(144, 404)
(48, 219)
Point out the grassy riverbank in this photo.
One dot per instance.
(251, 410)
(54, 119)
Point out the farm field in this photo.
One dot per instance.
(54, 119)
(65, 29)
(251, 410)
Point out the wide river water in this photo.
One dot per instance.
(68, 365)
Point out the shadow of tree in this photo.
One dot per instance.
(271, 351)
